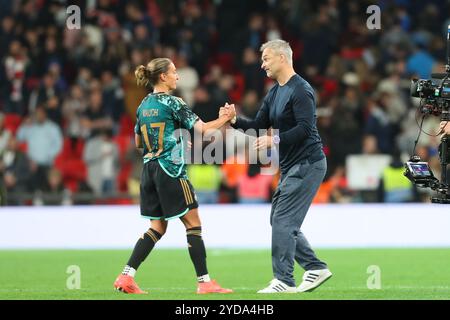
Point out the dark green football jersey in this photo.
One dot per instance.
(157, 118)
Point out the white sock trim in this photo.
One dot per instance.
(129, 271)
(204, 278)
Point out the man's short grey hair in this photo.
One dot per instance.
(279, 46)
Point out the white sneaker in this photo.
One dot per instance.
(314, 278)
(276, 286)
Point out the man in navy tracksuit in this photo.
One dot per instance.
(290, 107)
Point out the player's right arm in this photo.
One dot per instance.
(215, 124)
(189, 119)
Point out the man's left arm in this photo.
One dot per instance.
(303, 107)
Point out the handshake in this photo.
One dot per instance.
(229, 112)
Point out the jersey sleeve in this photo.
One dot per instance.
(183, 114)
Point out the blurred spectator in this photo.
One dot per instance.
(250, 104)
(203, 106)
(14, 172)
(115, 50)
(420, 63)
(102, 157)
(394, 186)
(44, 141)
(378, 123)
(142, 38)
(320, 38)
(369, 145)
(343, 126)
(73, 108)
(253, 36)
(206, 179)
(15, 65)
(233, 168)
(188, 80)
(254, 187)
(133, 93)
(55, 192)
(137, 17)
(5, 134)
(95, 118)
(254, 76)
(48, 96)
(334, 189)
(194, 36)
(112, 96)
(6, 34)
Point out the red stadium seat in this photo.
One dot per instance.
(123, 143)
(12, 122)
(226, 61)
(71, 151)
(73, 171)
(122, 177)
(126, 126)
(238, 89)
(117, 201)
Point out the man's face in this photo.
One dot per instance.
(271, 62)
(170, 78)
(41, 115)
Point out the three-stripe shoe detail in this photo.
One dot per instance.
(276, 286)
(279, 288)
(314, 278)
(311, 277)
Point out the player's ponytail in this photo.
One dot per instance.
(149, 75)
(141, 76)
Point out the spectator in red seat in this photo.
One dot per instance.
(102, 157)
(54, 191)
(4, 134)
(44, 142)
(14, 171)
(73, 109)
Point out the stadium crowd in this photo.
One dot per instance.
(68, 98)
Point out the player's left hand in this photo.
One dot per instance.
(262, 143)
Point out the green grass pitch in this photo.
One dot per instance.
(168, 274)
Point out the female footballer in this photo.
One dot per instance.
(165, 190)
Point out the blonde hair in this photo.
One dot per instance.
(149, 74)
(280, 47)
